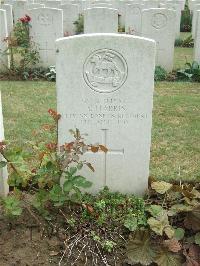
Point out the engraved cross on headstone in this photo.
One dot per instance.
(44, 47)
(110, 151)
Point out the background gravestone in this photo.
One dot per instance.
(4, 189)
(177, 9)
(46, 27)
(194, 19)
(9, 16)
(4, 59)
(197, 39)
(133, 19)
(106, 91)
(159, 24)
(19, 9)
(52, 3)
(70, 15)
(100, 20)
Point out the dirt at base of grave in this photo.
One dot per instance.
(22, 244)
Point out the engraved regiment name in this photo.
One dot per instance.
(105, 71)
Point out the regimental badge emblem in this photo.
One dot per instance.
(159, 21)
(105, 70)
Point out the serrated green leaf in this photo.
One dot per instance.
(79, 166)
(140, 249)
(179, 233)
(68, 185)
(158, 225)
(169, 231)
(155, 210)
(81, 181)
(72, 170)
(3, 164)
(131, 223)
(164, 257)
(197, 239)
(161, 187)
(181, 208)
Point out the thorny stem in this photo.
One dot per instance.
(10, 163)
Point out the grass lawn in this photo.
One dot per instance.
(175, 150)
(181, 56)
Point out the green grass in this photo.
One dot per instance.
(184, 35)
(181, 56)
(176, 126)
(176, 122)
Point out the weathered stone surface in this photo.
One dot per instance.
(100, 20)
(106, 91)
(133, 21)
(158, 24)
(9, 16)
(4, 59)
(70, 15)
(46, 27)
(4, 189)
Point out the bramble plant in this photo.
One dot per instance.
(162, 228)
(42, 166)
(21, 31)
(21, 50)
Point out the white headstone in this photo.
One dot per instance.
(46, 27)
(9, 2)
(192, 4)
(4, 59)
(53, 4)
(133, 19)
(34, 5)
(4, 188)
(100, 20)
(197, 39)
(110, 83)
(194, 19)
(9, 16)
(158, 24)
(19, 9)
(100, 4)
(121, 7)
(177, 9)
(70, 15)
(150, 4)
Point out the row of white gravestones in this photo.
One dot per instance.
(4, 189)
(4, 58)
(133, 19)
(156, 23)
(111, 81)
(46, 27)
(20, 6)
(70, 13)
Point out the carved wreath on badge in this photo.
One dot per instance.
(105, 70)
